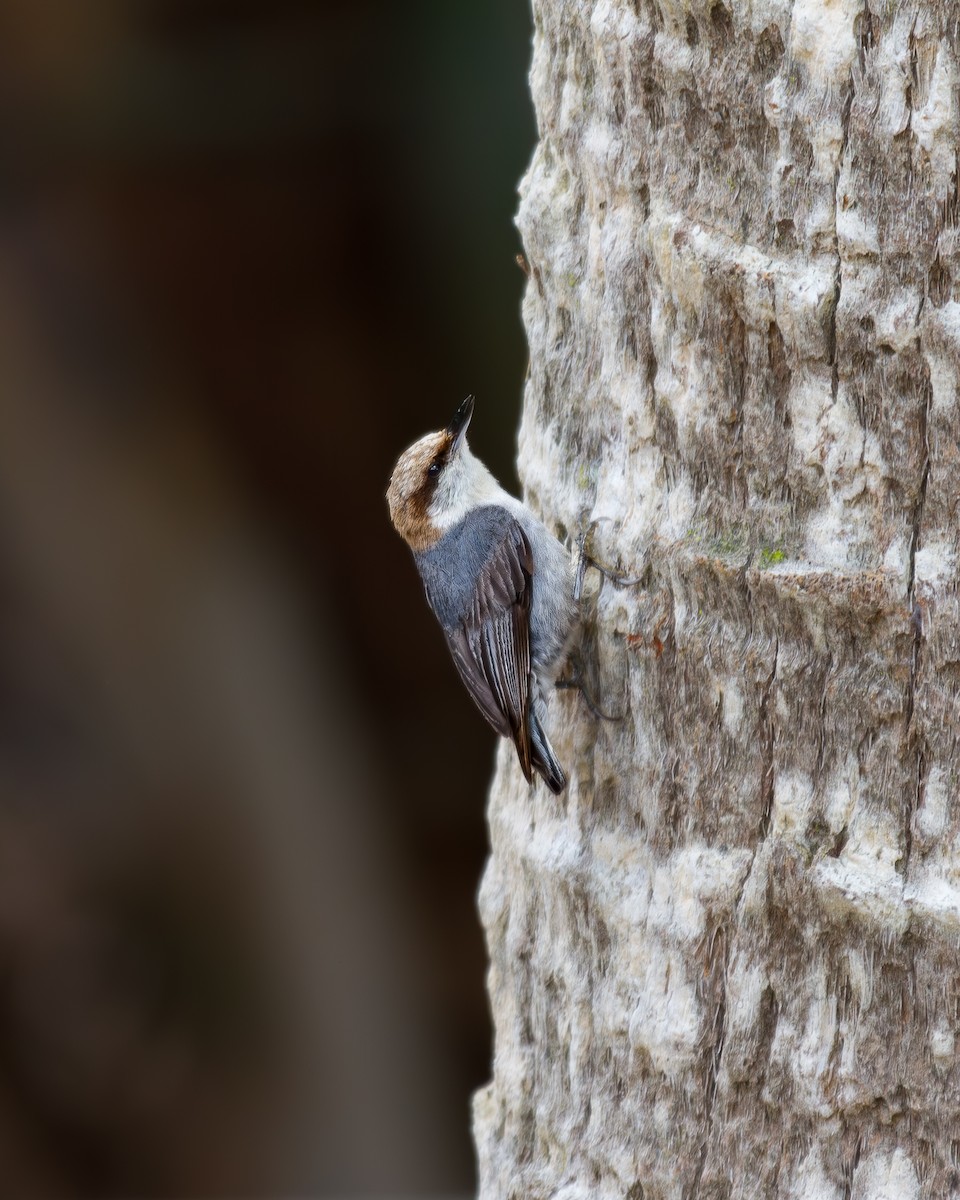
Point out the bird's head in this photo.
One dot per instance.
(435, 482)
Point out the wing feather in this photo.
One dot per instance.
(491, 644)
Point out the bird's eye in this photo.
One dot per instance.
(433, 470)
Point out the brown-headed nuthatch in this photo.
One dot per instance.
(500, 584)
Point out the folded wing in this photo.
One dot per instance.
(491, 643)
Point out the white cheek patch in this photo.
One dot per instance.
(447, 506)
(464, 485)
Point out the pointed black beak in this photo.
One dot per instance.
(457, 428)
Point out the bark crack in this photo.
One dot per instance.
(838, 271)
(850, 1167)
(716, 1054)
(822, 725)
(766, 778)
(832, 334)
(917, 515)
(917, 801)
(718, 1040)
(916, 622)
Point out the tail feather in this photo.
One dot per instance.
(543, 757)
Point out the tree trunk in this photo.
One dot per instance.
(725, 962)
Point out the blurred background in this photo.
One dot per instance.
(249, 251)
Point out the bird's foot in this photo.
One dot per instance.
(585, 560)
(575, 682)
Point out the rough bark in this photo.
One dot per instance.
(726, 962)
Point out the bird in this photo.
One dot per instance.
(498, 581)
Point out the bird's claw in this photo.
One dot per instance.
(576, 682)
(585, 560)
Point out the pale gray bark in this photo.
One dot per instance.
(726, 962)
